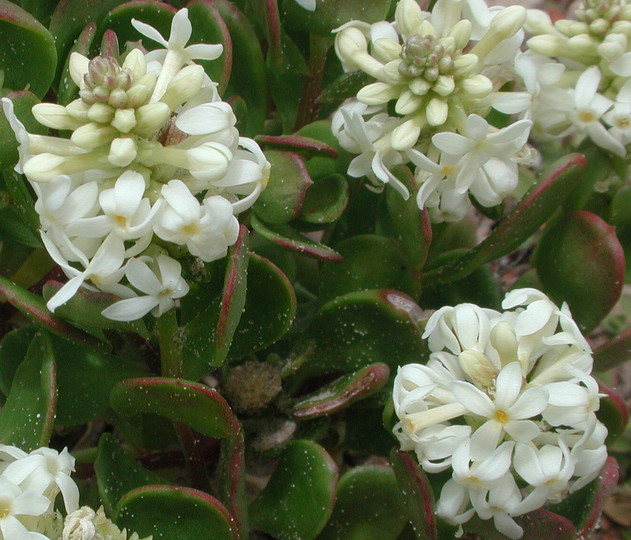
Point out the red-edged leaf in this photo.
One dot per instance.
(297, 143)
(613, 412)
(580, 261)
(419, 495)
(606, 483)
(342, 392)
(232, 482)
(614, 352)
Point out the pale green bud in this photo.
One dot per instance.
(186, 83)
(101, 113)
(122, 151)
(46, 167)
(478, 367)
(54, 116)
(118, 98)
(583, 44)
(349, 43)
(135, 63)
(386, 50)
(420, 86)
(465, 64)
(622, 27)
(444, 85)
(391, 72)
(124, 120)
(504, 341)
(547, 45)
(91, 135)
(477, 86)
(151, 118)
(408, 103)
(461, 34)
(78, 109)
(505, 25)
(78, 67)
(436, 112)
(408, 16)
(539, 22)
(377, 93)
(406, 135)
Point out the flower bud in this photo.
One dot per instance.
(151, 118)
(54, 116)
(91, 135)
(477, 86)
(538, 22)
(135, 62)
(124, 120)
(78, 67)
(184, 85)
(78, 109)
(349, 43)
(377, 93)
(408, 103)
(408, 16)
(505, 25)
(436, 112)
(465, 64)
(504, 341)
(461, 34)
(547, 45)
(478, 367)
(406, 135)
(122, 152)
(444, 85)
(101, 113)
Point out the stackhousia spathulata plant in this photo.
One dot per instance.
(311, 269)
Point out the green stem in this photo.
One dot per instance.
(171, 365)
(308, 108)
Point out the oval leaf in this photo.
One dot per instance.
(325, 200)
(614, 352)
(28, 416)
(359, 329)
(167, 513)
(282, 199)
(30, 60)
(580, 261)
(196, 405)
(117, 472)
(419, 499)
(368, 507)
(299, 497)
(370, 262)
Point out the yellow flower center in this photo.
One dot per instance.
(501, 417)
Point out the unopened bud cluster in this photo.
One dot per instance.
(154, 171)
(439, 72)
(507, 404)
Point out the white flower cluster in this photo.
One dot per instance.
(29, 485)
(154, 170)
(507, 402)
(577, 75)
(438, 76)
(86, 524)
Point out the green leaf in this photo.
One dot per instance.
(12, 228)
(28, 416)
(541, 201)
(174, 512)
(368, 507)
(281, 200)
(234, 296)
(297, 143)
(117, 472)
(619, 210)
(419, 496)
(34, 308)
(85, 379)
(187, 402)
(22, 198)
(409, 225)
(248, 78)
(614, 352)
(325, 200)
(331, 14)
(232, 482)
(342, 392)
(299, 497)
(287, 237)
(369, 262)
(359, 329)
(613, 412)
(270, 307)
(30, 60)
(580, 261)
(13, 349)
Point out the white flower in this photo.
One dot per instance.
(207, 229)
(162, 288)
(46, 471)
(500, 503)
(15, 502)
(508, 412)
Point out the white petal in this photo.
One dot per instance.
(130, 309)
(472, 398)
